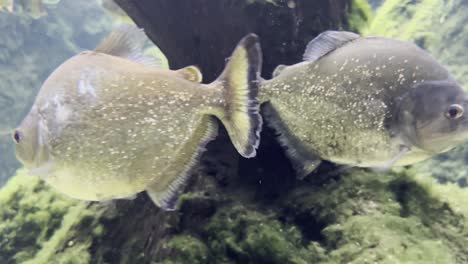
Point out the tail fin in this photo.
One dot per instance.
(240, 80)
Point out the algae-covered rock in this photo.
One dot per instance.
(359, 217)
(38, 225)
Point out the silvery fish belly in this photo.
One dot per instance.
(110, 123)
(364, 101)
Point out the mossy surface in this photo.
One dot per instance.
(38, 225)
(358, 217)
(361, 217)
(359, 16)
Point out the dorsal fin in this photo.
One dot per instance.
(327, 42)
(127, 41)
(191, 73)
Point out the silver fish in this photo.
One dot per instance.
(364, 101)
(109, 123)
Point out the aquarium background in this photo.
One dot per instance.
(30, 49)
(416, 214)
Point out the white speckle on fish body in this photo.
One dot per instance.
(84, 84)
(62, 113)
(334, 97)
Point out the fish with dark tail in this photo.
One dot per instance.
(110, 123)
(366, 102)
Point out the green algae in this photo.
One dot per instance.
(361, 217)
(359, 16)
(38, 225)
(188, 249)
(27, 220)
(248, 235)
(437, 26)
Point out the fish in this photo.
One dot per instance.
(110, 123)
(368, 101)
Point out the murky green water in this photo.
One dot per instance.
(235, 210)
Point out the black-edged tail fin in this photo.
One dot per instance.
(240, 81)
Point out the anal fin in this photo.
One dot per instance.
(303, 161)
(166, 191)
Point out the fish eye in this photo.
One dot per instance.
(17, 136)
(454, 111)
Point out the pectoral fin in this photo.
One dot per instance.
(191, 73)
